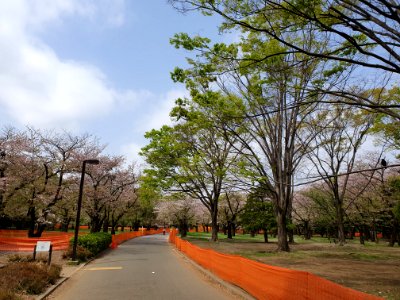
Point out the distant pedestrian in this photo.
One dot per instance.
(163, 231)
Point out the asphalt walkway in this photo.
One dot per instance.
(142, 268)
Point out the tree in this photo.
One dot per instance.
(122, 194)
(392, 195)
(231, 205)
(386, 126)
(304, 211)
(341, 132)
(263, 108)
(9, 141)
(34, 167)
(359, 33)
(180, 213)
(314, 199)
(99, 180)
(192, 157)
(258, 214)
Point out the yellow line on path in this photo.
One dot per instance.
(104, 268)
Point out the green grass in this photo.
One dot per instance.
(258, 238)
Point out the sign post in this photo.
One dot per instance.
(42, 246)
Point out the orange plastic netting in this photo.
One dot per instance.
(122, 237)
(264, 281)
(16, 240)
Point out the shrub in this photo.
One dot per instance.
(94, 242)
(82, 254)
(29, 277)
(20, 258)
(6, 294)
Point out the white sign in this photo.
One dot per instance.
(43, 246)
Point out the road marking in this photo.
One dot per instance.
(104, 268)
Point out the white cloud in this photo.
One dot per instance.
(34, 15)
(39, 88)
(158, 109)
(131, 153)
(153, 113)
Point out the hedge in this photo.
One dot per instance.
(94, 242)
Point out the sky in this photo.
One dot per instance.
(93, 66)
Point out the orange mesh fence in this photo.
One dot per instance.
(17, 240)
(201, 229)
(264, 281)
(122, 237)
(378, 235)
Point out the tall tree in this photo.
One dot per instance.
(264, 108)
(231, 205)
(192, 157)
(386, 126)
(99, 179)
(258, 214)
(358, 33)
(122, 194)
(341, 133)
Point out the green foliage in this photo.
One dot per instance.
(386, 125)
(186, 42)
(94, 242)
(258, 214)
(394, 190)
(396, 211)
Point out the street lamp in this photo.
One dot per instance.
(78, 211)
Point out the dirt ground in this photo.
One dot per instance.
(374, 269)
(56, 257)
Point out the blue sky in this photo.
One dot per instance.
(96, 66)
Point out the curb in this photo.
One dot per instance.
(236, 291)
(52, 288)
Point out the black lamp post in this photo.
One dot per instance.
(78, 211)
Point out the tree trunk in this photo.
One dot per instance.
(352, 232)
(112, 229)
(265, 236)
(95, 225)
(283, 244)
(32, 223)
(105, 225)
(362, 238)
(214, 223)
(291, 236)
(183, 228)
(340, 223)
(394, 236)
(224, 229)
(229, 230)
(135, 225)
(65, 224)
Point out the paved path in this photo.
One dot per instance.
(142, 268)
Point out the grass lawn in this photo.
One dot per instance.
(371, 268)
